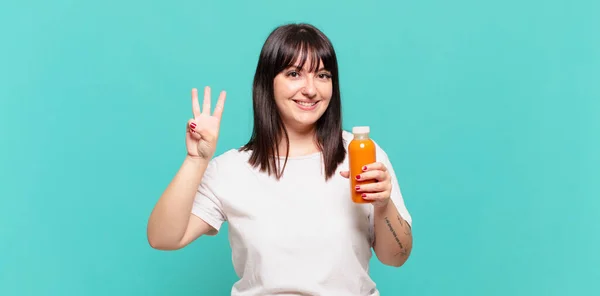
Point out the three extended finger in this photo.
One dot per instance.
(206, 103)
(220, 104)
(195, 103)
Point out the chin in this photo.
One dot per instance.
(305, 124)
(307, 120)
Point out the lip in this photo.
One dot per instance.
(306, 108)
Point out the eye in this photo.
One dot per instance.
(293, 74)
(325, 76)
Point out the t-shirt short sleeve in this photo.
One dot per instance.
(207, 205)
(396, 195)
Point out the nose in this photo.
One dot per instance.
(309, 89)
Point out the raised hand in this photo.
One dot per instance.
(203, 130)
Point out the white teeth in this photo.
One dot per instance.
(307, 104)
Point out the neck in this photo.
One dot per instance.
(302, 142)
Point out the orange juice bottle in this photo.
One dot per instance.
(361, 152)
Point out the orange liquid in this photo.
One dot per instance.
(361, 152)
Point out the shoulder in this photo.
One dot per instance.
(225, 163)
(222, 168)
(232, 158)
(347, 137)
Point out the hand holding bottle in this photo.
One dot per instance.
(370, 181)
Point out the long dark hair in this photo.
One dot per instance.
(282, 49)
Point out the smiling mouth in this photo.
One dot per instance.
(306, 104)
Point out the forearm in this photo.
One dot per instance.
(169, 219)
(393, 236)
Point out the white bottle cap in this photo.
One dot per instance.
(360, 130)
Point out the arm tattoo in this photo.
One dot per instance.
(407, 229)
(402, 250)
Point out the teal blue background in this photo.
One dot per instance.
(490, 113)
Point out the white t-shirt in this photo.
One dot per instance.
(300, 235)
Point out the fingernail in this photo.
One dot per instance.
(357, 177)
(364, 195)
(357, 187)
(193, 125)
(364, 168)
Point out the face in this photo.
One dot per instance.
(301, 96)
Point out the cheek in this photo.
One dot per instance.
(277, 89)
(284, 90)
(326, 91)
(291, 88)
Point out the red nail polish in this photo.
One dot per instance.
(357, 177)
(357, 188)
(193, 125)
(364, 168)
(364, 195)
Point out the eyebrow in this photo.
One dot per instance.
(300, 68)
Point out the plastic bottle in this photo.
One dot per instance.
(361, 152)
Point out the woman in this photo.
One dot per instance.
(285, 194)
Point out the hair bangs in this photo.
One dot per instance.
(302, 47)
